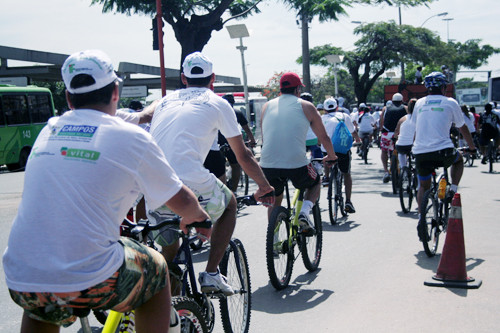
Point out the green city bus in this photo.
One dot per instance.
(24, 111)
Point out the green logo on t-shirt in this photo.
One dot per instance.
(80, 153)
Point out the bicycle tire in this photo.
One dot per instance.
(245, 177)
(491, 155)
(394, 174)
(331, 197)
(236, 309)
(430, 220)
(279, 254)
(340, 184)
(310, 247)
(192, 320)
(366, 143)
(406, 190)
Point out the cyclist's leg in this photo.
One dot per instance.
(123, 291)
(277, 181)
(457, 168)
(423, 164)
(235, 170)
(385, 145)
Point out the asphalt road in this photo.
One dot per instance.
(373, 268)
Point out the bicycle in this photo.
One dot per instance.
(491, 154)
(365, 146)
(236, 309)
(408, 183)
(335, 197)
(394, 169)
(434, 213)
(283, 235)
(190, 314)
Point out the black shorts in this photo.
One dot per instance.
(215, 163)
(344, 161)
(404, 149)
(302, 178)
(488, 133)
(428, 162)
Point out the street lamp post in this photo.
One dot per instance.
(440, 14)
(448, 27)
(240, 31)
(335, 59)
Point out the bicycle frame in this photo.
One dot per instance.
(294, 205)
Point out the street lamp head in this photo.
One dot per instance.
(448, 19)
(237, 31)
(442, 14)
(357, 22)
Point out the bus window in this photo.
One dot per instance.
(16, 109)
(40, 108)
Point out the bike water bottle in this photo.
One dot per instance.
(442, 188)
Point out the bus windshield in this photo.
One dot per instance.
(24, 111)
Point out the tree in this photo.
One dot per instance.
(192, 21)
(327, 10)
(383, 46)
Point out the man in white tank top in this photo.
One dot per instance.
(285, 121)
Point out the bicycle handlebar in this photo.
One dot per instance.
(143, 224)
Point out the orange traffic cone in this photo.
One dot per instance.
(451, 271)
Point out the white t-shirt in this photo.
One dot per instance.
(185, 125)
(331, 120)
(128, 116)
(433, 116)
(406, 132)
(84, 173)
(366, 122)
(469, 121)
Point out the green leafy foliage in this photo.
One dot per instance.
(383, 45)
(192, 21)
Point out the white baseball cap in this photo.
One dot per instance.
(330, 104)
(197, 65)
(397, 97)
(91, 62)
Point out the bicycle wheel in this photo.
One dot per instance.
(279, 252)
(366, 142)
(394, 173)
(340, 196)
(310, 247)
(236, 309)
(245, 182)
(192, 320)
(491, 155)
(334, 196)
(331, 197)
(429, 222)
(405, 190)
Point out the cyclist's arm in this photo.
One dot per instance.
(250, 136)
(319, 129)
(251, 167)
(185, 204)
(381, 121)
(464, 130)
(146, 115)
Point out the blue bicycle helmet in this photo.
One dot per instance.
(435, 80)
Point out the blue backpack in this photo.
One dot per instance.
(342, 138)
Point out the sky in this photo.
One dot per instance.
(67, 26)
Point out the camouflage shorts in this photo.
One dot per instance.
(142, 275)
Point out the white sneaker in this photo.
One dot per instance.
(306, 226)
(214, 282)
